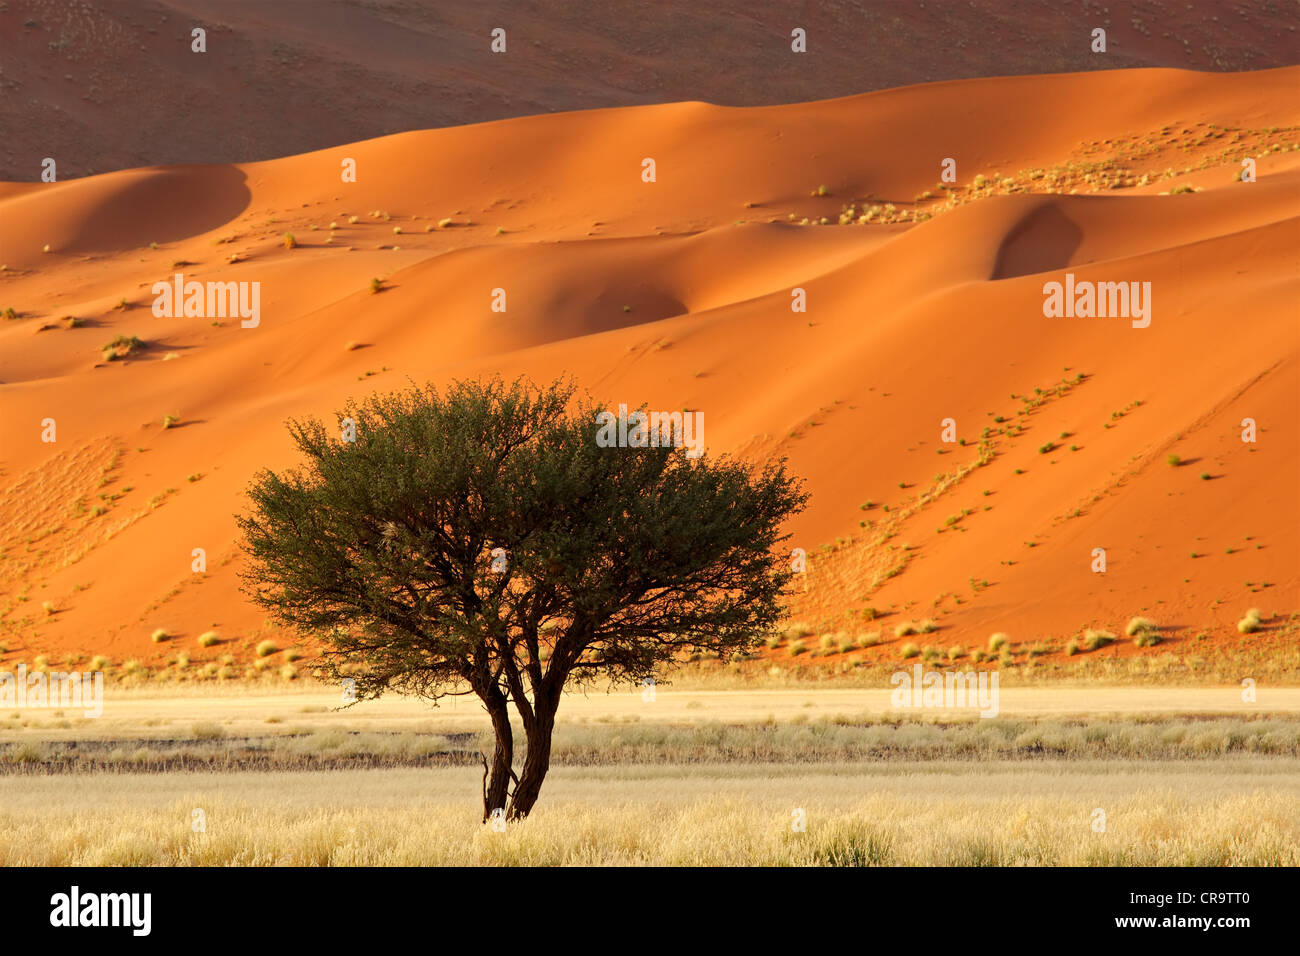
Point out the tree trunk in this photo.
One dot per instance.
(496, 788)
(536, 764)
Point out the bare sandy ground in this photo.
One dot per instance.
(133, 714)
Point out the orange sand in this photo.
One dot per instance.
(907, 324)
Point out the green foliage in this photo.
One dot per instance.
(481, 539)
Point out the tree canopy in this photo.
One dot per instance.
(479, 540)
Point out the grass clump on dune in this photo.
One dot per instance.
(209, 638)
(1093, 639)
(1143, 631)
(121, 347)
(1139, 624)
(1251, 622)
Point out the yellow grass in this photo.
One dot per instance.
(1238, 812)
(709, 777)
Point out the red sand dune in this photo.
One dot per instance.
(677, 294)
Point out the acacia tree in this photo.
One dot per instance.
(481, 541)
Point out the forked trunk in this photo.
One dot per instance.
(496, 786)
(536, 764)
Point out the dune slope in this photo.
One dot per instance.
(924, 302)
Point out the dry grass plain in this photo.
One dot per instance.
(695, 777)
(1218, 812)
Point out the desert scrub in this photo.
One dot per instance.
(904, 629)
(266, 648)
(376, 286)
(1093, 639)
(1143, 631)
(159, 635)
(289, 241)
(997, 642)
(207, 731)
(908, 650)
(1137, 625)
(1251, 622)
(121, 346)
(209, 638)
(797, 648)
